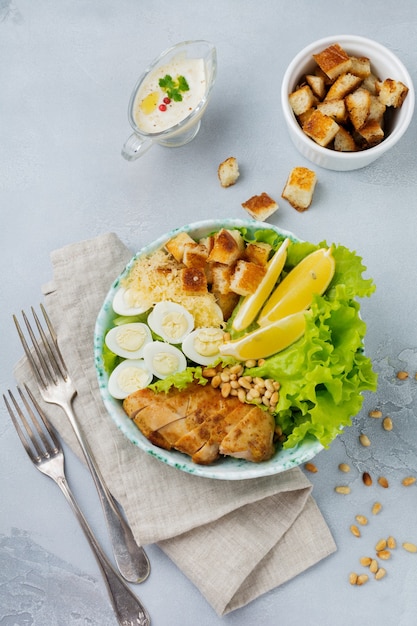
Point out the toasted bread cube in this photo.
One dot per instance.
(306, 115)
(227, 248)
(361, 66)
(193, 281)
(260, 207)
(333, 60)
(371, 84)
(176, 245)
(299, 188)
(336, 109)
(301, 100)
(343, 141)
(358, 105)
(227, 303)
(221, 275)
(342, 86)
(246, 277)
(392, 93)
(321, 128)
(376, 110)
(207, 242)
(195, 255)
(317, 85)
(372, 132)
(258, 252)
(228, 172)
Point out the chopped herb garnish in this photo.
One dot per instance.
(173, 87)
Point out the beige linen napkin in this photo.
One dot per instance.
(269, 528)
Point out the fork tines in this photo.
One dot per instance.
(40, 440)
(45, 358)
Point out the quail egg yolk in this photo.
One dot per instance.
(174, 324)
(165, 363)
(132, 378)
(131, 339)
(207, 341)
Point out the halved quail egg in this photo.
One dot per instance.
(171, 321)
(128, 340)
(127, 302)
(202, 345)
(163, 359)
(127, 377)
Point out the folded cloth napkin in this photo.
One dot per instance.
(270, 528)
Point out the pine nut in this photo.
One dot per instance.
(355, 530)
(410, 547)
(209, 372)
(367, 479)
(234, 384)
(380, 573)
(391, 543)
(261, 362)
(365, 441)
(353, 578)
(274, 398)
(402, 375)
(225, 377)
(362, 579)
(381, 545)
(344, 489)
(362, 520)
(387, 424)
(375, 413)
(344, 467)
(373, 568)
(250, 363)
(365, 561)
(259, 381)
(310, 467)
(269, 385)
(236, 369)
(245, 382)
(225, 390)
(376, 508)
(384, 555)
(408, 480)
(241, 394)
(216, 381)
(383, 482)
(266, 401)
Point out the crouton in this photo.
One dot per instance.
(302, 99)
(221, 275)
(343, 141)
(193, 281)
(358, 105)
(195, 255)
(361, 66)
(342, 86)
(372, 132)
(227, 302)
(305, 116)
(321, 128)
(258, 252)
(371, 84)
(246, 277)
(317, 85)
(336, 109)
(333, 60)
(376, 110)
(228, 172)
(299, 188)
(392, 93)
(227, 247)
(176, 245)
(260, 207)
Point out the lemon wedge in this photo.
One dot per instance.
(266, 340)
(252, 304)
(295, 293)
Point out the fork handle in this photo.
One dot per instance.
(129, 610)
(131, 559)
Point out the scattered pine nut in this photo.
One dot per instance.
(344, 489)
(353, 578)
(355, 530)
(384, 555)
(373, 568)
(365, 561)
(380, 573)
(310, 467)
(367, 479)
(344, 467)
(408, 480)
(387, 424)
(362, 520)
(391, 542)
(375, 413)
(410, 547)
(402, 375)
(365, 441)
(383, 482)
(381, 545)
(376, 508)
(362, 579)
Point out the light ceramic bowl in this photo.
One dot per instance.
(226, 468)
(384, 64)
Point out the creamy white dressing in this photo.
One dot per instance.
(150, 96)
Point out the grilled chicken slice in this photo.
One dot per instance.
(199, 422)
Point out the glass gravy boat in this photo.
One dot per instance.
(183, 130)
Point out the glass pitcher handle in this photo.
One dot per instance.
(135, 147)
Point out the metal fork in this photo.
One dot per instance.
(44, 450)
(56, 387)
